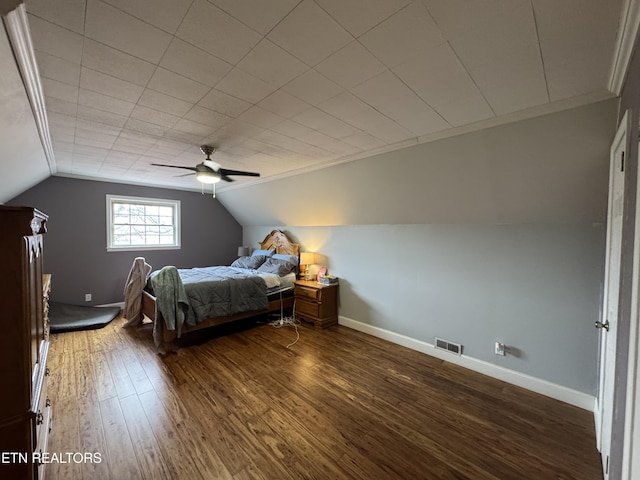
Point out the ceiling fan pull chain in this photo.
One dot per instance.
(214, 190)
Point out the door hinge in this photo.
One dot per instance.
(622, 162)
(606, 469)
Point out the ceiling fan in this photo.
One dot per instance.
(209, 171)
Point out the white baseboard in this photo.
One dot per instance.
(553, 390)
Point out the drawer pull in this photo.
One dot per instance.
(47, 403)
(39, 418)
(47, 371)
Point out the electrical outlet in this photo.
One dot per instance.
(87, 297)
(499, 348)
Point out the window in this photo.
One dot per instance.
(135, 223)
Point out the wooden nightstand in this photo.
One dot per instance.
(316, 303)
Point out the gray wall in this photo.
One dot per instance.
(75, 245)
(492, 235)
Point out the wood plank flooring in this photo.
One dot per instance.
(339, 404)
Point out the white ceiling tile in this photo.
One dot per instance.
(338, 129)
(100, 116)
(55, 40)
(68, 14)
(358, 16)
(309, 33)
(314, 118)
(216, 32)
(343, 105)
(164, 14)
(261, 117)
(119, 30)
(104, 102)
(223, 103)
(455, 17)
(363, 141)
(244, 86)
(133, 124)
(193, 128)
(59, 90)
(351, 65)
(164, 103)
(240, 128)
(105, 59)
(463, 111)
(283, 104)
(312, 87)
(391, 132)
(207, 117)
(367, 119)
(260, 15)
(382, 89)
(93, 135)
(193, 63)
(156, 117)
(177, 86)
(89, 151)
(437, 76)
(292, 129)
(272, 64)
(61, 106)
(414, 115)
(62, 121)
(58, 69)
(404, 35)
(108, 85)
(576, 77)
(100, 128)
(125, 145)
(92, 143)
(513, 96)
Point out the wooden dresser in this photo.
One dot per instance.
(25, 411)
(315, 303)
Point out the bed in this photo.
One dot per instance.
(255, 301)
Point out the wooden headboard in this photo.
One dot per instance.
(277, 240)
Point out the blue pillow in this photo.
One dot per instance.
(252, 262)
(266, 253)
(279, 267)
(287, 258)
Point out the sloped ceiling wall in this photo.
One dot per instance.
(549, 169)
(22, 160)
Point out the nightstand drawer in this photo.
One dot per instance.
(313, 293)
(308, 308)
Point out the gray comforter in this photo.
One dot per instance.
(220, 291)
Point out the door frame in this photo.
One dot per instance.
(631, 462)
(606, 369)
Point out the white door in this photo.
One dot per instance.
(609, 322)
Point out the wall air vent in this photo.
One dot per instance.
(441, 344)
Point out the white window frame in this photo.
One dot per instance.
(174, 204)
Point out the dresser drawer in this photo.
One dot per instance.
(306, 292)
(308, 308)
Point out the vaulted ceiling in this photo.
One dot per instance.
(283, 86)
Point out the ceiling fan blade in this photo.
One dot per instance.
(226, 172)
(226, 179)
(174, 166)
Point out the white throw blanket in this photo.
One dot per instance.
(133, 287)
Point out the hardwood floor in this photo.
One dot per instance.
(337, 405)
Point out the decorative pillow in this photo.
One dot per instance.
(252, 262)
(279, 267)
(287, 258)
(266, 253)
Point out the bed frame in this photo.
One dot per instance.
(276, 240)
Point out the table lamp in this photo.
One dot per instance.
(306, 259)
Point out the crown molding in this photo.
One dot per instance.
(625, 44)
(17, 27)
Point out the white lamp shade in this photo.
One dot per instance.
(307, 258)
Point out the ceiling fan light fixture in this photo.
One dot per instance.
(208, 177)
